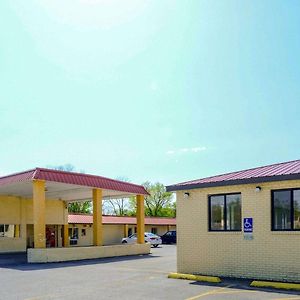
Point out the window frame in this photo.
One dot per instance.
(224, 214)
(292, 209)
(5, 229)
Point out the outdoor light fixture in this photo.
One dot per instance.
(258, 189)
(186, 195)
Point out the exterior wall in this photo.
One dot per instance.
(270, 255)
(86, 240)
(69, 254)
(161, 229)
(113, 233)
(19, 211)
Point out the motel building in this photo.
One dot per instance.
(114, 228)
(244, 224)
(34, 215)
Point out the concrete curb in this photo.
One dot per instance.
(203, 278)
(276, 285)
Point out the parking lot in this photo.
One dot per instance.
(141, 277)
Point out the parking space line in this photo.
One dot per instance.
(237, 291)
(288, 298)
(213, 292)
(220, 291)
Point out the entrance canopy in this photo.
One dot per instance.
(38, 186)
(67, 186)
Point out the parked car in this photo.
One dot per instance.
(151, 238)
(169, 237)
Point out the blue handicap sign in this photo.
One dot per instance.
(248, 224)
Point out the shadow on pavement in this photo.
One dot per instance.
(18, 261)
(244, 284)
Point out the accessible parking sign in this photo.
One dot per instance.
(248, 225)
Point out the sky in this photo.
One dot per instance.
(162, 91)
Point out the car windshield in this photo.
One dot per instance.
(150, 234)
(133, 236)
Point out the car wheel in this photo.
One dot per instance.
(124, 242)
(155, 246)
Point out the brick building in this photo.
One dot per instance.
(243, 224)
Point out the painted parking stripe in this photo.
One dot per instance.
(208, 293)
(221, 291)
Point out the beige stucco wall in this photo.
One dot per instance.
(19, 211)
(74, 253)
(113, 233)
(270, 255)
(161, 229)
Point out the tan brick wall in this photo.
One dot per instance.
(270, 255)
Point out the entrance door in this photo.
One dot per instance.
(51, 234)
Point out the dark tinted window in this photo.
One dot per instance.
(282, 210)
(233, 212)
(225, 212)
(286, 209)
(297, 209)
(217, 213)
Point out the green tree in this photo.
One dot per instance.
(159, 203)
(117, 206)
(84, 207)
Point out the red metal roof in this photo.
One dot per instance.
(88, 219)
(74, 178)
(281, 171)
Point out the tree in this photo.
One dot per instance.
(159, 203)
(117, 206)
(80, 207)
(75, 207)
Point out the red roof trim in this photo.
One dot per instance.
(275, 172)
(88, 219)
(74, 178)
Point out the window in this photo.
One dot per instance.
(154, 230)
(83, 232)
(286, 210)
(225, 212)
(129, 231)
(9, 230)
(73, 233)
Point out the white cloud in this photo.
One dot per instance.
(186, 150)
(170, 152)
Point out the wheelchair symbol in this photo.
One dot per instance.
(248, 224)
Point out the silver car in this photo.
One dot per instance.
(151, 238)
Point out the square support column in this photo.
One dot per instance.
(97, 218)
(66, 242)
(39, 204)
(17, 231)
(125, 230)
(140, 219)
(65, 227)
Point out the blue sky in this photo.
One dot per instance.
(151, 90)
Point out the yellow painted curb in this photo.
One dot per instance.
(276, 285)
(195, 277)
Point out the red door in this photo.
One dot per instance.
(50, 237)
